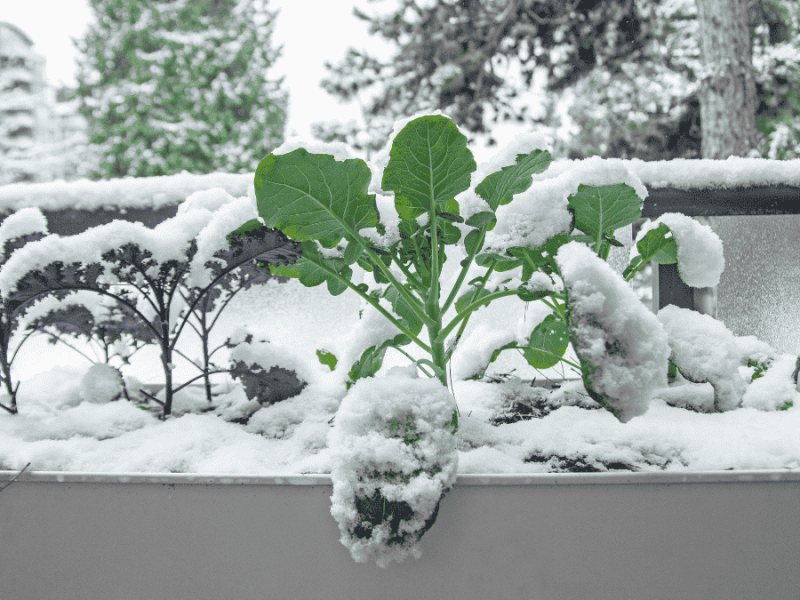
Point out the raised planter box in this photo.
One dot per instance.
(618, 536)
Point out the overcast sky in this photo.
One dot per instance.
(304, 27)
(311, 32)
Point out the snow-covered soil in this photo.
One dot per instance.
(505, 424)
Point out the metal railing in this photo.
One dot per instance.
(668, 288)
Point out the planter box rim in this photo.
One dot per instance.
(470, 479)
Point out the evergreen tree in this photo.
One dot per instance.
(627, 70)
(174, 85)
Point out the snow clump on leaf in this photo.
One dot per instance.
(393, 458)
(700, 257)
(621, 345)
(704, 350)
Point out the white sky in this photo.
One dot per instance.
(311, 31)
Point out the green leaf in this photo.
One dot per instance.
(600, 211)
(327, 358)
(502, 263)
(401, 308)
(527, 295)
(313, 269)
(314, 197)
(285, 271)
(547, 343)
(469, 297)
(352, 252)
(372, 359)
(501, 187)
(429, 165)
(482, 220)
(635, 262)
(473, 242)
(450, 233)
(659, 246)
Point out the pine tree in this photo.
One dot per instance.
(627, 70)
(174, 85)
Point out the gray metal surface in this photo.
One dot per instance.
(710, 538)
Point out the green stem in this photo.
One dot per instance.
(374, 303)
(474, 295)
(475, 305)
(408, 297)
(463, 274)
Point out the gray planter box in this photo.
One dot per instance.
(617, 536)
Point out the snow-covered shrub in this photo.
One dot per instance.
(394, 458)
(102, 383)
(622, 348)
(704, 350)
(24, 226)
(162, 275)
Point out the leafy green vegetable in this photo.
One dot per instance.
(319, 201)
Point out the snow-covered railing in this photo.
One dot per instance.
(736, 187)
(760, 200)
(73, 207)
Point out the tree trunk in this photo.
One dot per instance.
(727, 95)
(727, 89)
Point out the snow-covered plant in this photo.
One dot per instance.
(207, 308)
(194, 248)
(704, 350)
(325, 204)
(111, 326)
(268, 373)
(24, 226)
(99, 320)
(394, 458)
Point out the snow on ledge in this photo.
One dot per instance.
(472, 479)
(155, 192)
(128, 192)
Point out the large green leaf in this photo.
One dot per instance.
(429, 165)
(599, 211)
(547, 343)
(501, 187)
(315, 197)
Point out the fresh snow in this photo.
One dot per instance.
(64, 424)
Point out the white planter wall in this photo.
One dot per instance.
(639, 536)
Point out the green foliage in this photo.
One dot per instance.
(172, 86)
(327, 358)
(320, 201)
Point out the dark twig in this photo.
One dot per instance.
(15, 477)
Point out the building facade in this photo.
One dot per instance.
(38, 136)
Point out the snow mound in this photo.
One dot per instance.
(102, 383)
